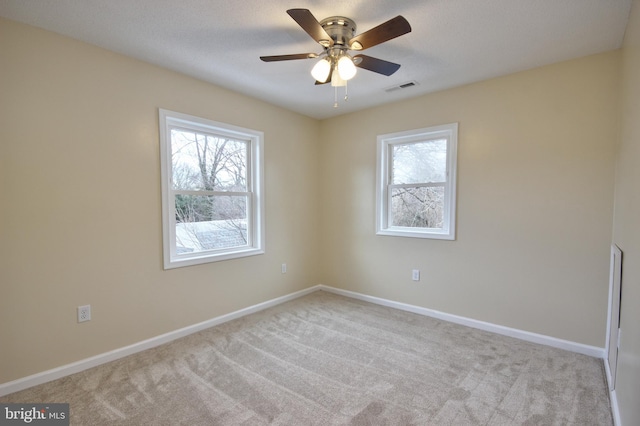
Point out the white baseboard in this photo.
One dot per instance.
(76, 367)
(498, 329)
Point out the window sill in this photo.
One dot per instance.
(413, 233)
(182, 261)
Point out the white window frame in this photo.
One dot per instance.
(255, 186)
(383, 181)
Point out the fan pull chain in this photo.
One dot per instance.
(335, 94)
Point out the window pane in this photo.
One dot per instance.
(210, 222)
(420, 162)
(418, 207)
(207, 162)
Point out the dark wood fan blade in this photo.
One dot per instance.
(376, 65)
(310, 24)
(384, 32)
(288, 57)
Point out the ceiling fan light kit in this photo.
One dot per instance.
(336, 35)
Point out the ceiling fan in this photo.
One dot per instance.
(337, 37)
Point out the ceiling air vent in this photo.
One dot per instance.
(401, 86)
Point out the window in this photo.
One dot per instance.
(416, 183)
(212, 196)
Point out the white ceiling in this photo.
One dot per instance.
(453, 42)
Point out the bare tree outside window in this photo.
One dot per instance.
(417, 185)
(209, 178)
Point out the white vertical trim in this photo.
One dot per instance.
(613, 313)
(615, 409)
(613, 397)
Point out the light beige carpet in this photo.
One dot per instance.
(329, 360)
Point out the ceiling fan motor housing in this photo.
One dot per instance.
(340, 29)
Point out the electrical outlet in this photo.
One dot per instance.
(415, 275)
(283, 268)
(84, 313)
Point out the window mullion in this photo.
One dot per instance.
(417, 185)
(211, 193)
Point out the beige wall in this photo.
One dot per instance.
(535, 196)
(80, 219)
(627, 225)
